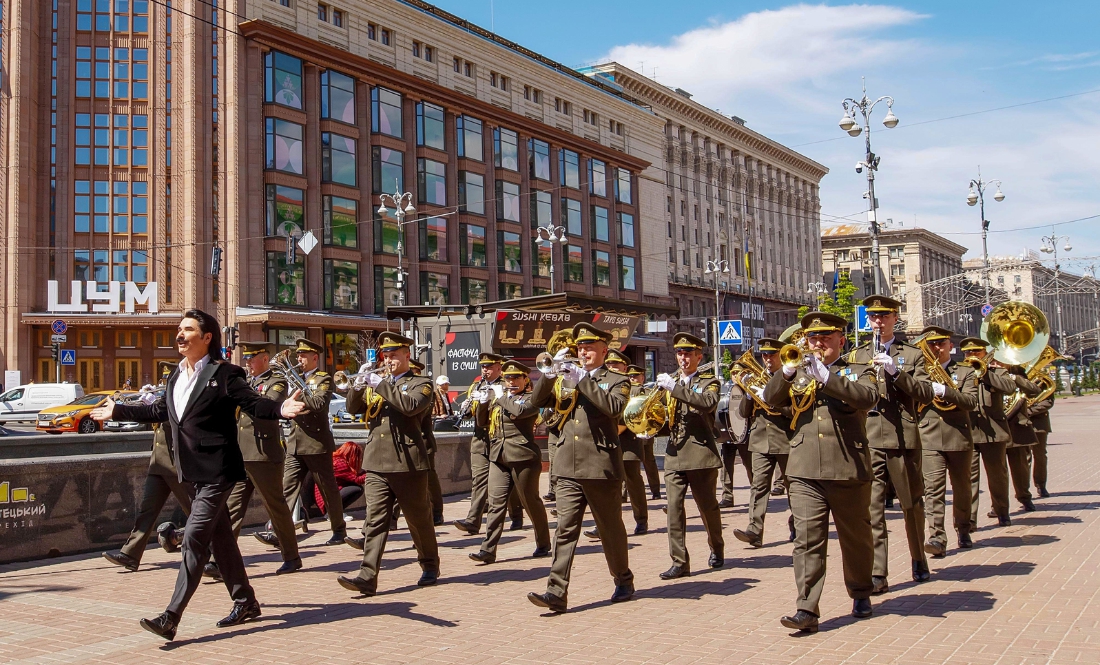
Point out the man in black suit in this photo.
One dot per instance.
(200, 405)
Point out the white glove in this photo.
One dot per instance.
(939, 389)
(562, 354)
(759, 392)
(788, 372)
(574, 373)
(887, 362)
(666, 381)
(148, 398)
(374, 379)
(817, 370)
(148, 388)
(481, 396)
(642, 436)
(498, 390)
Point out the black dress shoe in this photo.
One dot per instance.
(879, 585)
(676, 571)
(1043, 493)
(357, 543)
(749, 537)
(549, 496)
(593, 534)
(553, 512)
(861, 608)
(428, 578)
(516, 525)
(938, 550)
(778, 490)
(289, 566)
(267, 538)
(303, 525)
(1004, 521)
(656, 496)
(889, 503)
(790, 526)
(437, 520)
(356, 584)
(125, 560)
(1028, 504)
(211, 571)
(541, 552)
(169, 537)
(163, 625)
(716, 560)
(483, 557)
(336, 539)
(623, 592)
(802, 621)
(547, 600)
(641, 528)
(393, 524)
(725, 503)
(965, 541)
(920, 571)
(241, 612)
(465, 527)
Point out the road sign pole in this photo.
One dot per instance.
(57, 370)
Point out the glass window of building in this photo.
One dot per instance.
(140, 73)
(507, 201)
(508, 251)
(120, 265)
(509, 291)
(121, 208)
(542, 251)
(385, 112)
(433, 238)
(140, 140)
(341, 284)
(569, 169)
(82, 206)
(341, 350)
(505, 149)
(469, 133)
(285, 211)
(574, 263)
(340, 220)
(102, 139)
(473, 291)
(571, 216)
(286, 284)
(386, 291)
(539, 159)
(471, 192)
(434, 289)
(541, 209)
(626, 273)
(282, 79)
(101, 205)
(139, 208)
(388, 169)
(431, 182)
(626, 229)
(471, 246)
(337, 159)
(82, 267)
(622, 186)
(601, 268)
(83, 139)
(386, 234)
(284, 146)
(597, 177)
(338, 97)
(429, 125)
(600, 227)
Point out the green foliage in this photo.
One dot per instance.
(841, 303)
(726, 361)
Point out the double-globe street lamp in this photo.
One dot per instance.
(713, 268)
(550, 234)
(400, 212)
(977, 196)
(850, 124)
(1050, 246)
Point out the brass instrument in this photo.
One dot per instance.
(284, 367)
(1039, 373)
(648, 411)
(562, 339)
(748, 374)
(937, 374)
(343, 381)
(1019, 334)
(980, 365)
(793, 353)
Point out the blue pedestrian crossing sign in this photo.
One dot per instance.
(729, 332)
(68, 357)
(862, 324)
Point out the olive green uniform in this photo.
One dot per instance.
(479, 465)
(692, 461)
(395, 458)
(1040, 419)
(947, 450)
(633, 457)
(895, 446)
(991, 436)
(770, 446)
(1018, 451)
(309, 448)
(515, 465)
(829, 469)
(161, 482)
(589, 469)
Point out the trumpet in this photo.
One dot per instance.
(547, 364)
(562, 339)
(342, 380)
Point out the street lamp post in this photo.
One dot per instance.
(817, 288)
(965, 318)
(1050, 246)
(848, 123)
(551, 234)
(400, 212)
(713, 268)
(977, 196)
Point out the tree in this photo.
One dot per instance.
(727, 361)
(841, 302)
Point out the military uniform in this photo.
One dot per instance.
(991, 435)
(947, 448)
(309, 447)
(515, 464)
(1040, 419)
(589, 468)
(395, 458)
(895, 443)
(1018, 451)
(263, 460)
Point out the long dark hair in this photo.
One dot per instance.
(208, 324)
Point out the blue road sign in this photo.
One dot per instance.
(862, 324)
(986, 309)
(59, 327)
(68, 357)
(729, 332)
(372, 356)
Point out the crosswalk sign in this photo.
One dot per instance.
(863, 325)
(68, 357)
(729, 332)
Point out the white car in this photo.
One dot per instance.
(23, 403)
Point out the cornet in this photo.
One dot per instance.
(342, 380)
(545, 363)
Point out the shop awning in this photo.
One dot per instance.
(106, 319)
(568, 302)
(286, 317)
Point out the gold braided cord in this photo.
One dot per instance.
(566, 408)
(374, 404)
(670, 404)
(801, 400)
(496, 420)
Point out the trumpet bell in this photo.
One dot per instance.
(792, 355)
(1017, 331)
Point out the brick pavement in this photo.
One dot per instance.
(1024, 594)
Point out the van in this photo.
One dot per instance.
(23, 403)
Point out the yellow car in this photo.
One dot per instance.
(75, 416)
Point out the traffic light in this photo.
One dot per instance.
(55, 351)
(216, 261)
(231, 334)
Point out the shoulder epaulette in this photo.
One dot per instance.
(852, 356)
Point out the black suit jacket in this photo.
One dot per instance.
(205, 436)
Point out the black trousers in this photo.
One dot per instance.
(208, 529)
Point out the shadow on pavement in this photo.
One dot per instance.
(982, 571)
(1048, 519)
(937, 605)
(1016, 541)
(12, 590)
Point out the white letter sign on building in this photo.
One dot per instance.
(108, 301)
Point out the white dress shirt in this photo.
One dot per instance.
(185, 384)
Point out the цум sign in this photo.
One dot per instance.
(111, 300)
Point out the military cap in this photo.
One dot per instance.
(253, 348)
(769, 345)
(417, 366)
(634, 370)
(303, 345)
(614, 356)
(515, 368)
(935, 333)
(584, 333)
(823, 322)
(974, 344)
(880, 304)
(688, 341)
(490, 359)
(388, 341)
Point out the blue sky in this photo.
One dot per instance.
(785, 67)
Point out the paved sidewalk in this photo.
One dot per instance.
(1024, 594)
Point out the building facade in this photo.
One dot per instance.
(229, 155)
(728, 191)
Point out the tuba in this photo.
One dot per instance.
(648, 411)
(1019, 334)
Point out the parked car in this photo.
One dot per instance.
(23, 403)
(76, 415)
(125, 426)
(337, 411)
